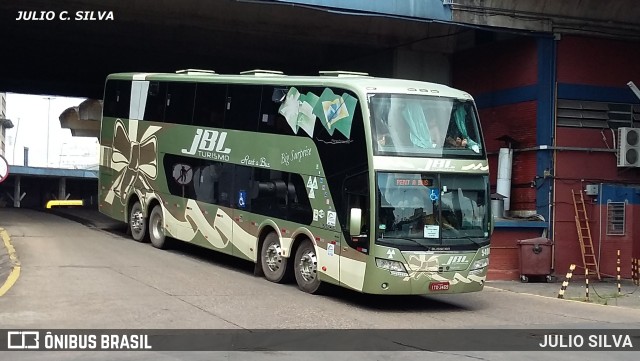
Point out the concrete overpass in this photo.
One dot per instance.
(384, 38)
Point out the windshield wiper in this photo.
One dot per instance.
(404, 239)
(464, 236)
(472, 240)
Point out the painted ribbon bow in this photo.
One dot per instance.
(134, 160)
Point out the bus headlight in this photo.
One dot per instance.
(394, 267)
(479, 264)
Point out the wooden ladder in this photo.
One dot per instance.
(584, 235)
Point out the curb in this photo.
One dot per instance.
(558, 299)
(13, 258)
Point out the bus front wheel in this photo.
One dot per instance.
(305, 268)
(156, 228)
(274, 264)
(138, 223)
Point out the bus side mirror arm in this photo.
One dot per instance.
(355, 221)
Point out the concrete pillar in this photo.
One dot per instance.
(62, 188)
(16, 192)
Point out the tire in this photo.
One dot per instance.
(274, 264)
(305, 268)
(138, 223)
(156, 229)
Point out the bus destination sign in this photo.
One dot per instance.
(414, 182)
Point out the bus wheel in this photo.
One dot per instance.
(156, 228)
(305, 268)
(273, 264)
(138, 224)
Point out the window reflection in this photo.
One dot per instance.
(432, 209)
(416, 125)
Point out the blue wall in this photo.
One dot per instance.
(421, 9)
(545, 116)
(596, 93)
(619, 193)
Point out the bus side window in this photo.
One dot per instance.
(179, 105)
(299, 209)
(281, 195)
(225, 184)
(210, 105)
(117, 99)
(271, 121)
(156, 96)
(243, 107)
(268, 186)
(205, 182)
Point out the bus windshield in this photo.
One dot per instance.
(432, 209)
(422, 125)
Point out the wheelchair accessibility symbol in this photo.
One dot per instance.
(434, 194)
(242, 196)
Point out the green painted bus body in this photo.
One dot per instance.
(159, 163)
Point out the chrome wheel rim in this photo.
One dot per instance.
(156, 227)
(308, 266)
(137, 221)
(273, 257)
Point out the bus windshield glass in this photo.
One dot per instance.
(432, 209)
(423, 125)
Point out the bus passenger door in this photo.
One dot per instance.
(355, 248)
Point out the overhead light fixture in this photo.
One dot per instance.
(634, 89)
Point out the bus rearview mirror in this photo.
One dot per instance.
(355, 221)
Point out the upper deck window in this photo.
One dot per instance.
(418, 125)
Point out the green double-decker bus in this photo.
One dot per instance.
(378, 185)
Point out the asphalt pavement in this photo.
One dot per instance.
(605, 292)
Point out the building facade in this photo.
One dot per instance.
(564, 104)
(4, 122)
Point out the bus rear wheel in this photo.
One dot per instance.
(138, 223)
(274, 265)
(156, 228)
(305, 268)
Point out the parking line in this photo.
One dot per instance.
(15, 271)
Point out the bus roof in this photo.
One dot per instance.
(358, 82)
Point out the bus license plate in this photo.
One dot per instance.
(439, 286)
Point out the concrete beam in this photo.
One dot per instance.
(616, 19)
(84, 119)
(6, 123)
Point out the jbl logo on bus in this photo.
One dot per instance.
(208, 141)
(456, 260)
